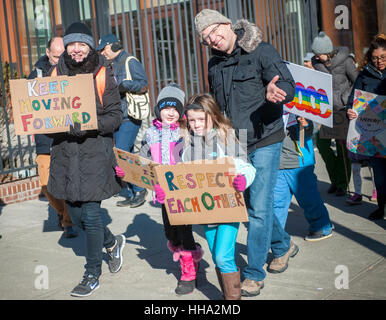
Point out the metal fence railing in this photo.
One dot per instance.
(158, 32)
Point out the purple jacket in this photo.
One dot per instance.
(162, 143)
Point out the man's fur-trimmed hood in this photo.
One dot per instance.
(252, 36)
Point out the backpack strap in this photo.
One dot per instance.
(100, 80)
(54, 72)
(128, 74)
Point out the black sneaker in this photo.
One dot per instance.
(317, 236)
(116, 259)
(125, 203)
(139, 198)
(86, 287)
(185, 287)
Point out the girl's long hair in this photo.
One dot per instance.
(379, 41)
(220, 122)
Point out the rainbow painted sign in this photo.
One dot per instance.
(313, 97)
(367, 133)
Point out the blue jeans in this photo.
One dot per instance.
(302, 183)
(88, 216)
(124, 140)
(264, 231)
(222, 241)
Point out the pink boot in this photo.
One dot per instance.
(187, 281)
(374, 196)
(197, 256)
(189, 262)
(175, 250)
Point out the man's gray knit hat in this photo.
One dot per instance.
(78, 32)
(206, 18)
(170, 96)
(322, 44)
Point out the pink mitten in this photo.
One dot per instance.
(159, 193)
(119, 172)
(240, 183)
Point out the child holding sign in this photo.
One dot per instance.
(211, 137)
(163, 144)
(296, 177)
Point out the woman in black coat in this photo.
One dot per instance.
(373, 79)
(82, 162)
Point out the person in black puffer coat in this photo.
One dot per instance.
(372, 79)
(82, 162)
(341, 65)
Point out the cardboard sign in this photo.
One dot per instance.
(52, 104)
(339, 129)
(201, 192)
(367, 133)
(313, 98)
(138, 170)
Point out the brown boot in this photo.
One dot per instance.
(219, 278)
(232, 286)
(280, 264)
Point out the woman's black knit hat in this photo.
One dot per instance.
(78, 32)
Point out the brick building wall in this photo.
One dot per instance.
(20, 190)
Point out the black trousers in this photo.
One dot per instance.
(178, 235)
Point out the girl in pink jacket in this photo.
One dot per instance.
(163, 143)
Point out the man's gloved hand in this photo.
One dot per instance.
(119, 172)
(76, 131)
(240, 183)
(159, 194)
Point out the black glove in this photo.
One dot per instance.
(75, 130)
(122, 89)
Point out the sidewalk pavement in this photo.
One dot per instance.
(38, 263)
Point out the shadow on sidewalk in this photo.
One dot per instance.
(51, 224)
(241, 248)
(153, 249)
(362, 210)
(297, 225)
(78, 244)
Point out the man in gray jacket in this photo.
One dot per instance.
(251, 83)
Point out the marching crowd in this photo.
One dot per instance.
(249, 83)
